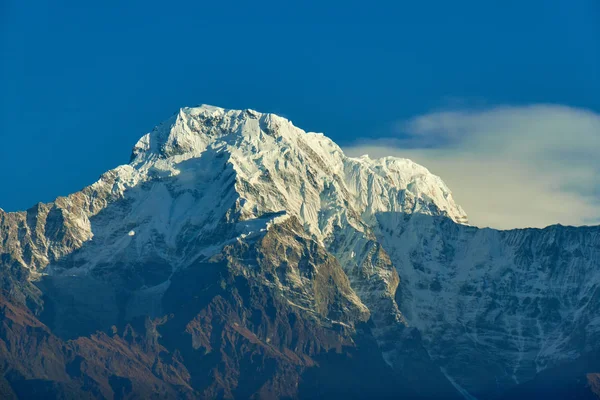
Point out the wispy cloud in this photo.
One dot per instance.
(508, 166)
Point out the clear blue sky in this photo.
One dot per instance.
(80, 81)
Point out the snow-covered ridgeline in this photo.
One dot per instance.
(280, 167)
(205, 163)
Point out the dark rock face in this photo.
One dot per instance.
(271, 318)
(568, 380)
(37, 364)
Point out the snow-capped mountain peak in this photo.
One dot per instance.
(265, 149)
(208, 176)
(214, 197)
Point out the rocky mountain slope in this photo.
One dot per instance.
(237, 255)
(497, 307)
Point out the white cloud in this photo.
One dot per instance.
(507, 166)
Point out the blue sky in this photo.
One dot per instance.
(81, 81)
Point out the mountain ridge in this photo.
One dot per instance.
(238, 222)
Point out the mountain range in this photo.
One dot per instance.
(238, 256)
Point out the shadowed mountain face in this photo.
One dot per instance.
(238, 256)
(232, 326)
(496, 307)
